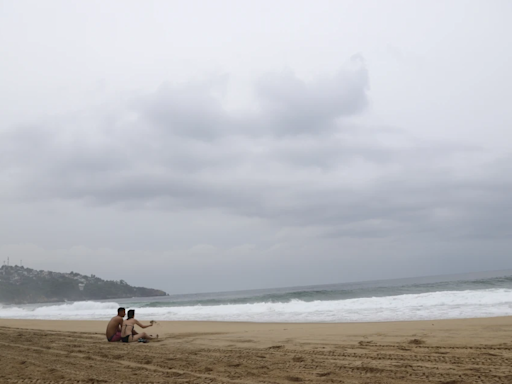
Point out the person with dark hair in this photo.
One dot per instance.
(113, 332)
(128, 327)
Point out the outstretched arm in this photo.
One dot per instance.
(142, 326)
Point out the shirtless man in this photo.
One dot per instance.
(115, 325)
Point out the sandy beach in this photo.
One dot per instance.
(447, 351)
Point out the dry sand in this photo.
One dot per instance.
(448, 351)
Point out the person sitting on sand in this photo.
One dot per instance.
(129, 325)
(114, 326)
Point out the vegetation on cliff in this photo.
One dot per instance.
(20, 285)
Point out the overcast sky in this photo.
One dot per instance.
(220, 145)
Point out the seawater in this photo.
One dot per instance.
(485, 294)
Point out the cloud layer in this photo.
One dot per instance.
(298, 160)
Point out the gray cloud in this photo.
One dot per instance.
(189, 110)
(292, 106)
(295, 162)
(287, 106)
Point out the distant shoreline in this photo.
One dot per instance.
(79, 301)
(20, 285)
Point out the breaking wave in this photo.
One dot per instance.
(423, 306)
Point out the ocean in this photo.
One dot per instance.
(483, 294)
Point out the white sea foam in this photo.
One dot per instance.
(435, 305)
(78, 310)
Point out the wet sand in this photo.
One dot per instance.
(447, 351)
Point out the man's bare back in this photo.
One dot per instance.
(114, 326)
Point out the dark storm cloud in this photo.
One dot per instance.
(296, 162)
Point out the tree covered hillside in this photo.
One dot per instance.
(19, 285)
